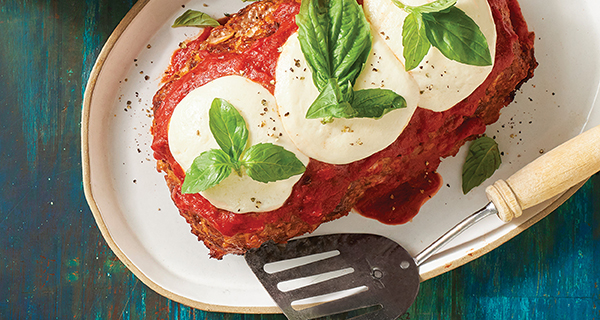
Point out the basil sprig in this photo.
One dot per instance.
(336, 40)
(263, 162)
(193, 18)
(446, 27)
(482, 161)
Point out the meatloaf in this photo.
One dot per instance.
(401, 176)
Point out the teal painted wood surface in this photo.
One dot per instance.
(54, 264)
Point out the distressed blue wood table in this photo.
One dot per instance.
(54, 264)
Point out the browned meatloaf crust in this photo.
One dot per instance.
(327, 192)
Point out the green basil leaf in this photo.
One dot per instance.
(457, 36)
(330, 104)
(414, 39)
(335, 38)
(435, 6)
(228, 127)
(266, 162)
(350, 41)
(482, 161)
(193, 18)
(207, 170)
(403, 6)
(374, 103)
(313, 34)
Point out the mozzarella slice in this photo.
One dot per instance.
(443, 82)
(189, 135)
(343, 140)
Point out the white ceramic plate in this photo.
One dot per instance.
(131, 202)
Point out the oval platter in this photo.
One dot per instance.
(132, 207)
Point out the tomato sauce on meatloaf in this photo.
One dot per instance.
(389, 186)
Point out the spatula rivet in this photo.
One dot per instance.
(376, 273)
(404, 264)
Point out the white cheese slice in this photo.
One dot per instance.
(189, 135)
(443, 82)
(343, 140)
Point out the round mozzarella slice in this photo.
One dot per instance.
(189, 135)
(443, 82)
(343, 140)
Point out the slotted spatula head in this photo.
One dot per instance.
(379, 272)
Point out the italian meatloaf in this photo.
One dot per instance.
(402, 176)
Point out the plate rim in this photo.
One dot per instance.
(89, 195)
(87, 183)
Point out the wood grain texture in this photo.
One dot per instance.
(54, 264)
(551, 174)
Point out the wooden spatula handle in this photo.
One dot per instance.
(549, 175)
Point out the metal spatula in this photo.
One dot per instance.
(373, 272)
